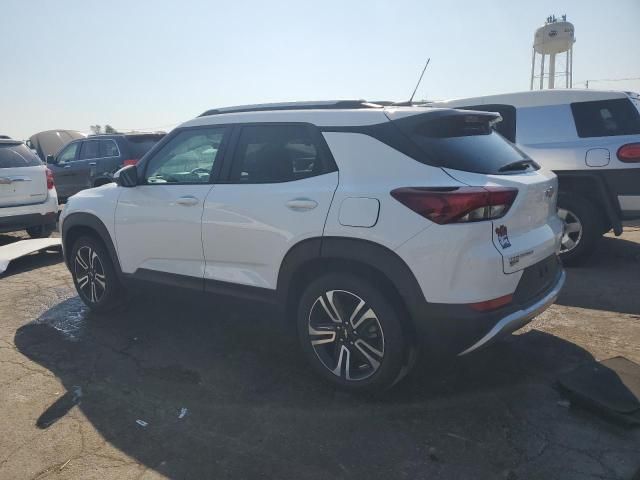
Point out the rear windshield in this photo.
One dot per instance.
(606, 118)
(14, 155)
(465, 142)
(141, 144)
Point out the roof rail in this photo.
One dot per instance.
(319, 105)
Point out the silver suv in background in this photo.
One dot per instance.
(28, 198)
(591, 140)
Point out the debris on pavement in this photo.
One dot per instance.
(563, 403)
(21, 248)
(610, 387)
(183, 412)
(142, 423)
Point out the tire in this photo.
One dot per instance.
(368, 358)
(583, 227)
(40, 231)
(94, 276)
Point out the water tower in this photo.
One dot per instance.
(554, 37)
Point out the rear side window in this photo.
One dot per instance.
(14, 155)
(89, 149)
(464, 142)
(606, 118)
(275, 153)
(141, 144)
(108, 148)
(507, 127)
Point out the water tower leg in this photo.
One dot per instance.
(567, 70)
(533, 67)
(571, 67)
(552, 70)
(542, 71)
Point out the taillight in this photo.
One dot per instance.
(457, 205)
(629, 153)
(50, 182)
(131, 161)
(493, 304)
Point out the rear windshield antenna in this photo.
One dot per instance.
(419, 80)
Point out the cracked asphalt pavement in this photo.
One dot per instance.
(176, 388)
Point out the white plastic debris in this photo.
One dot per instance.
(142, 423)
(25, 247)
(563, 403)
(183, 412)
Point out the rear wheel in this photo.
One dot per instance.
(582, 227)
(94, 276)
(351, 333)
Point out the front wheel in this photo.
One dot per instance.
(39, 232)
(351, 334)
(94, 276)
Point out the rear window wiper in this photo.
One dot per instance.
(519, 165)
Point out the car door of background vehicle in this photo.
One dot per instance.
(158, 223)
(62, 172)
(276, 192)
(83, 169)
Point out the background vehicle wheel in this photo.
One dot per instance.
(583, 227)
(94, 275)
(350, 333)
(39, 232)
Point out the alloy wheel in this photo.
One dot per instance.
(346, 335)
(89, 273)
(572, 230)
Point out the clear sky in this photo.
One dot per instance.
(153, 64)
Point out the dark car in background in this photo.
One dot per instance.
(92, 161)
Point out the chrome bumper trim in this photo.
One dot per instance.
(518, 319)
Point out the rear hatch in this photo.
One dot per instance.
(465, 145)
(23, 177)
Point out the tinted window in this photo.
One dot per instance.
(464, 142)
(275, 153)
(606, 118)
(507, 127)
(17, 155)
(89, 149)
(141, 144)
(187, 158)
(108, 148)
(69, 153)
(544, 125)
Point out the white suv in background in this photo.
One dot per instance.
(28, 199)
(375, 229)
(591, 140)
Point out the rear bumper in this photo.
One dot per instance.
(20, 222)
(458, 329)
(520, 318)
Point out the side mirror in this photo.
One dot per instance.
(127, 176)
(51, 159)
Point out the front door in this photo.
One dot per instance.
(63, 171)
(159, 222)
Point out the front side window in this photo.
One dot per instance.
(606, 118)
(108, 148)
(275, 153)
(187, 158)
(89, 149)
(69, 153)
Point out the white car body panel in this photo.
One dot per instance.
(247, 229)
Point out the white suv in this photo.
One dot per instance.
(375, 230)
(28, 199)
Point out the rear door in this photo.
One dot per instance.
(23, 179)
(277, 192)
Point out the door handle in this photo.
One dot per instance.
(187, 201)
(93, 164)
(66, 166)
(301, 204)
